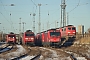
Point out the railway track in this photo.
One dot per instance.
(74, 55)
(1, 43)
(64, 55)
(29, 55)
(37, 56)
(5, 48)
(35, 53)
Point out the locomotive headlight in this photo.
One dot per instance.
(13, 37)
(32, 38)
(73, 32)
(26, 38)
(49, 40)
(43, 40)
(68, 32)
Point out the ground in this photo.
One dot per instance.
(80, 50)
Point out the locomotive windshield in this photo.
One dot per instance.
(73, 28)
(54, 33)
(69, 28)
(11, 36)
(29, 34)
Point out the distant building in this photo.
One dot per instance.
(81, 29)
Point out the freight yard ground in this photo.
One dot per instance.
(78, 51)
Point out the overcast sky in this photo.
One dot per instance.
(78, 14)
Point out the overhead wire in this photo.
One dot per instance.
(34, 4)
(3, 5)
(75, 7)
(5, 18)
(34, 13)
(12, 27)
(11, 23)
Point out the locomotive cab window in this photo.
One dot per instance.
(54, 33)
(29, 34)
(73, 28)
(69, 28)
(11, 36)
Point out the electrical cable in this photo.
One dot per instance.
(3, 5)
(5, 18)
(75, 7)
(34, 4)
(11, 23)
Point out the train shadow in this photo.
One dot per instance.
(68, 42)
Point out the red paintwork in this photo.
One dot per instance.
(54, 38)
(11, 38)
(65, 32)
(45, 37)
(28, 39)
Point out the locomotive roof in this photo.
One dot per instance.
(44, 31)
(28, 30)
(41, 32)
(11, 33)
(38, 33)
(52, 29)
(68, 25)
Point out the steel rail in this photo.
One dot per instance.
(4, 49)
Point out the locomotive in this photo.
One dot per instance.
(28, 37)
(51, 37)
(68, 31)
(54, 37)
(11, 38)
(38, 41)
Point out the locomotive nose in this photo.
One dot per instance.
(55, 38)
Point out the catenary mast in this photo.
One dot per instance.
(39, 24)
(34, 22)
(63, 18)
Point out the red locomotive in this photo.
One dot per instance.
(54, 36)
(68, 31)
(11, 38)
(50, 37)
(28, 37)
